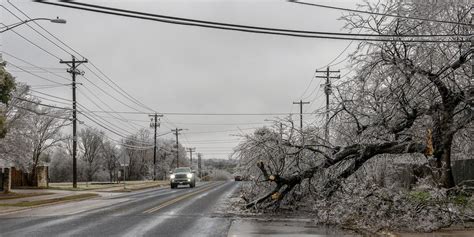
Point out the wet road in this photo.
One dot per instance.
(159, 212)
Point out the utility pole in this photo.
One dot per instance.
(154, 124)
(327, 91)
(191, 150)
(301, 103)
(199, 165)
(176, 132)
(73, 64)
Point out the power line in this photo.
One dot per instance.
(36, 112)
(210, 141)
(19, 18)
(38, 76)
(379, 14)
(99, 107)
(219, 131)
(110, 130)
(136, 126)
(127, 96)
(45, 105)
(93, 94)
(113, 97)
(49, 86)
(52, 35)
(120, 91)
(85, 109)
(37, 67)
(121, 143)
(52, 100)
(327, 65)
(242, 26)
(34, 44)
(199, 114)
(249, 29)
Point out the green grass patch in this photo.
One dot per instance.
(460, 199)
(21, 195)
(420, 196)
(48, 201)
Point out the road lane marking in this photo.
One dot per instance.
(179, 198)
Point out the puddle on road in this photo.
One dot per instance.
(241, 228)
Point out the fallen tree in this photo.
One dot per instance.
(404, 97)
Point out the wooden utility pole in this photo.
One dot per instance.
(176, 132)
(199, 164)
(73, 64)
(191, 150)
(154, 124)
(301, 103)
(327, 91)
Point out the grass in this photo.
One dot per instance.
(82, 186)
(21, 195)
(460, 199)
(420, 196)
(49, 201)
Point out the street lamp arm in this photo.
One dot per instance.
(54, 20)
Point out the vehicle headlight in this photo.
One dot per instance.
(189, 175)
(172, 176)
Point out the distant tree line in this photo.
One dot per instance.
(32, 134)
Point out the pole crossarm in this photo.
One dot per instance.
(301, 103)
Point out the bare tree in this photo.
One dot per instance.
(91, 142)
(43, 133)
(111, 160)
(139, 151)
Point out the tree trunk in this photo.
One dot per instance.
(111, 175)
(442, 141)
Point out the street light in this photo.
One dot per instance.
(54, 20)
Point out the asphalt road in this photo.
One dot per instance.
(158, 212)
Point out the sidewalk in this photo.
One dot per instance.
(22, 199)
(109, 187)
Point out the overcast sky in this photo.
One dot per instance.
(173, 68)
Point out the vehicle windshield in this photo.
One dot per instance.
(182, 170)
